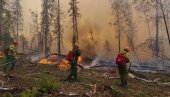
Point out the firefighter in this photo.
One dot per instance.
(74, 62)
(123, 70)
(10, 57)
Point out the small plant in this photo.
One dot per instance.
(29, 93)
(48, 84)
(7, 94)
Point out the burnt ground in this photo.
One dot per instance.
(107, 84)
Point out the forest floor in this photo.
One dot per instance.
(36, 80)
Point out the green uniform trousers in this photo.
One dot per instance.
(10, 60)
(123, 73)
(73, 71)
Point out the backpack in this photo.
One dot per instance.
(70, 56)
(120, 59)
(6, 51)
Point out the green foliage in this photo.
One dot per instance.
(44, 84)
(48, 84)
(29, 93)
(7, 94)
(116, 92)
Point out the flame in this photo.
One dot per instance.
(63, 64)
(80, 59)
(45, 61)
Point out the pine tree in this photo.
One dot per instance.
(74, 13)
(18, 17)
(7, 29)
(6, 24)
(47, 16)
(3, 3)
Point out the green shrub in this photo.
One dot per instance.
(44, 84)
(7, 94)
(48, 84)
(29, 93)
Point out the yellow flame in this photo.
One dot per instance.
(45, 61)
(80, 59)
(63, 64)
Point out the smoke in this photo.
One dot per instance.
(85, 42)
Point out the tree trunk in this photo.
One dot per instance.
(59, 29)
(46, 27)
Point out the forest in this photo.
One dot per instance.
(84, 48)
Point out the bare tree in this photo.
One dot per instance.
(164, 18)
(24, 42)
(116, 13)
(107, 48)
(58, 29)
(93, 41)
(123, 21)
(150, 8)
(35, 28)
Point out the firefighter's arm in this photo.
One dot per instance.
(15, 51)
(79, 52)
(127, 58)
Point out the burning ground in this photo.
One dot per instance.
(30, 79)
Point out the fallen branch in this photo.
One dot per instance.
(70, 94)
(33, 74)
(11, 89)
(113, 77)
(84, 84)
(98, 66)
(148, 81)
(165, 84)
(5, 89)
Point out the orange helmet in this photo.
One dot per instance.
(127, 49)
(76, 45)
(15, 43)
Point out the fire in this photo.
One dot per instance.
(65, 65)
(45, 61)
(62, 64)
(80, 59)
